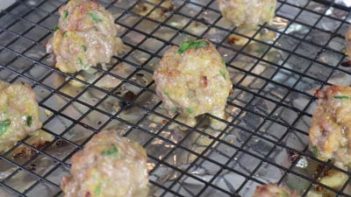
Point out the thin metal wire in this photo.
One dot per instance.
(203, 156)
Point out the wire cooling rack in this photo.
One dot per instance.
(266, 137)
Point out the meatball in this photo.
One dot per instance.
(271, 190)
(108, 166)
(332, 178)
(193, 79)
(86, 36)
(19, 114)
(348, 42)
(247, 14)
(330, 131)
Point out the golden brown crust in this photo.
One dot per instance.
(37, 139)
(86, 36)
(19, 114)
(331, 123)
(108, 161)
(193, 82)
(247, 14)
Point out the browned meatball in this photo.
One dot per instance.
(247, 14)
(193, 79)
(86, 36)
(19, 114)
(271, 190)
(108, 166)
(331, 123)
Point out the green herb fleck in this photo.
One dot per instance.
(166, 93)
(223, 61)
(65, 14)
(189, 110)
(223, 73)
(29, 121)
(342, 97)
(97, 190)
(284, 194)
(84, 47)
(4, 125)
(96, 18)
(315, 151)
(192, 45)
(272, 8)
(110, 151)
(80, 61)
(56, 28)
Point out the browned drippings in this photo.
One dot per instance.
(128, 98)
(233, 39)
(293, 156)
(346, 64)
(26, 151)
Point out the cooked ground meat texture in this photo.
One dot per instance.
(193, 79)
(247, 14)
(271, 190)
(108, 166)
(330, 131)
(86, 36)
(19, 114)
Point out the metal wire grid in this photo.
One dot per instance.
(30, 23)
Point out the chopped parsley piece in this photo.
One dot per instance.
(166, 93)
(97, 190)
(65, 14)
(84, 47)
(192, 45)
(80, 61)
(110, 151)
(314, 151)
(223, 73)
(84, 66)
(284, 194)
(56, 28)
(189, 110)
(96, 18)
(272, 8)
(342, 97)
(29, 121)
(4, 125)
